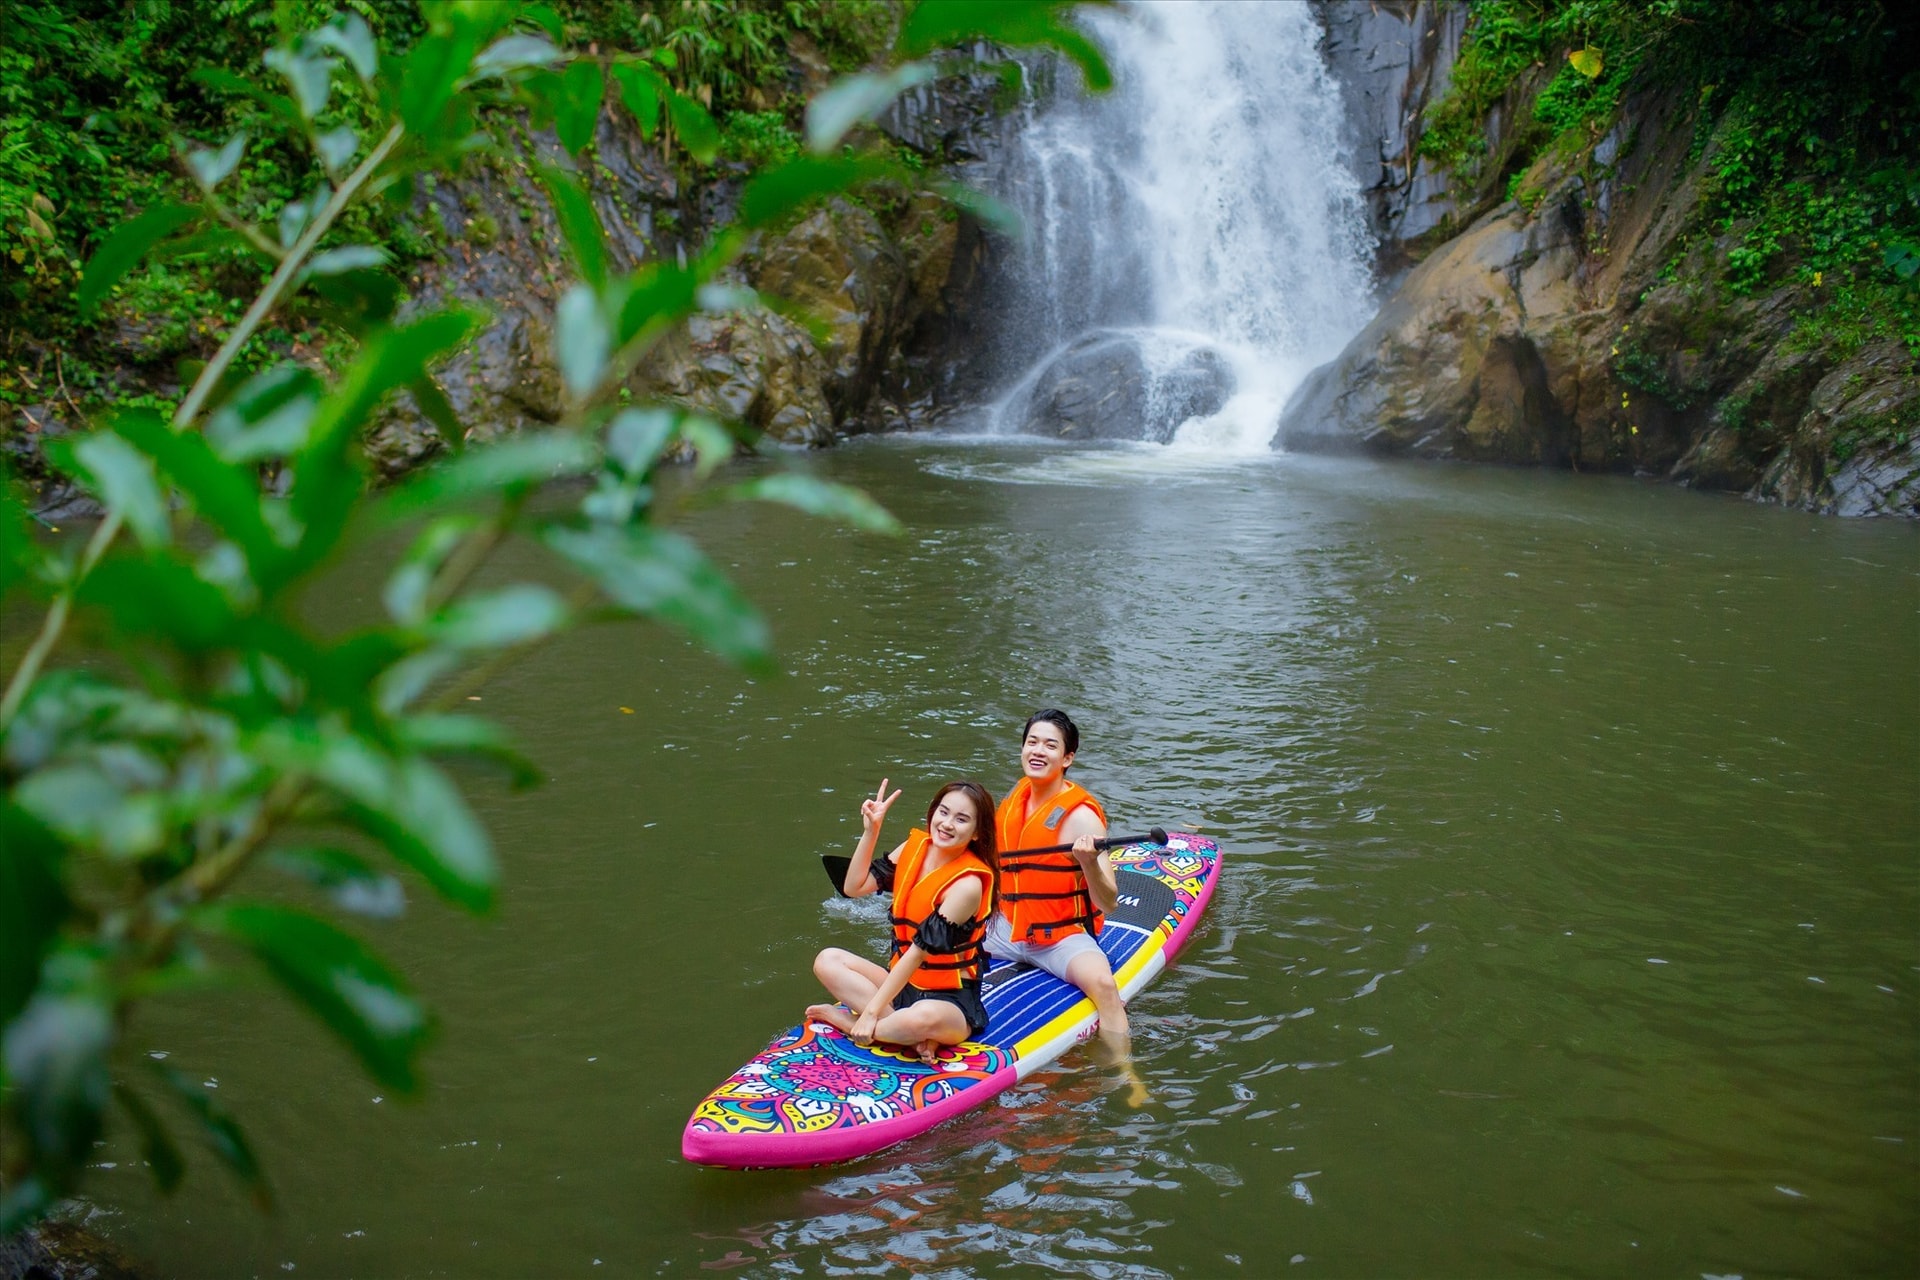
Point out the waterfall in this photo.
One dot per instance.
(1196, 241)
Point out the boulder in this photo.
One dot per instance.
(1453, 364)
(841, 270)
(1104, 387)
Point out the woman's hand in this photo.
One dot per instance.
(873, 812)
(864, 1025)
(1086, 849)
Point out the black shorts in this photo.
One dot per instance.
(966, 1000)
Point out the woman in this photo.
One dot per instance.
(942, 881)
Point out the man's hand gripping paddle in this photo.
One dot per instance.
(837, 864)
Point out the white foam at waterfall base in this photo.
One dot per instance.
(1206, 199)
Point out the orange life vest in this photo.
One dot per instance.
(914, 899)
(1044, 896)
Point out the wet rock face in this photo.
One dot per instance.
(1392, 58)
(869, 292)
(1103, 387)
(1588, 331)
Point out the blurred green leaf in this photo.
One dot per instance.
(266, 417)
(20, 555)
(942, 24)
(404, 802)
(352, 257)
(23, 1201)
(210, 168)
(156, 1144)
(309, 76)
(486, 470)
(694, 126)
(544, 17)
(990, 212)
(401, 684)
(856, 98)
(515, 53)
(55, 1056)
(582, 339)
(1589, 61)
(431, 72)
(226, 493)
(613, 500)
(818, 498)
(87, 806)
(641, 88)
(498, 619)
(349, 35)
(337, 978)
(122, 251)
(437, 409)
(662, 295)
(123, 478)
(406, 591)
(222, 1133)
(779, 192)
(327, 482)
(33, 903)
(637, 437)
(467, 736)
(712, 443)
(357, 300)
(337, 147)
(661, 575)
(158, 597)
(579, 224)
(582, 86)
(348, 880)
(276, 106)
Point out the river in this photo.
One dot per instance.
(1570, 920)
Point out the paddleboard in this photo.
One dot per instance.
(814, 1097)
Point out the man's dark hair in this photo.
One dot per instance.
(1069, 733)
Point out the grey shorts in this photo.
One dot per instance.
(1054, 957)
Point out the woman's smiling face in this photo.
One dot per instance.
(954, 820)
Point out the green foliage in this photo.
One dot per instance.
(1808, 119)
(758, 138)
(235, 740)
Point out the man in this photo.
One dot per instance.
(1049, 906)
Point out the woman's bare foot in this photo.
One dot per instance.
(834, 1015)
(929, 1051)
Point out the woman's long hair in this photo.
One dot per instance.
(983, 844)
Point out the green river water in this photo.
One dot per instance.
(1570, 921)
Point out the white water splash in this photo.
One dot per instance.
(1205, 201)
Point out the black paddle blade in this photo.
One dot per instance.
(837, 867)
(1158, 834)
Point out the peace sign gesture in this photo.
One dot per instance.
(873, 812)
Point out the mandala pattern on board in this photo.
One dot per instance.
(814, 1078)
(1182, 863)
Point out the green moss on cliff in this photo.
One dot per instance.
(98, 96)
(1807, 123)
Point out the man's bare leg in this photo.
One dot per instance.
(1091, 973)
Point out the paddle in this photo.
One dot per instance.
(837, 865)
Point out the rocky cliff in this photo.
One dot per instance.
(1589, 322)
(867, 293)
(863, 289)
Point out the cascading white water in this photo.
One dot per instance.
(1203, 210)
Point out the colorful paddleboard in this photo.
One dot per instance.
(813, 1096)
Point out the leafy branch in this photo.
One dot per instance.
(133, 809)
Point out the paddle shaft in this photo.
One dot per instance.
(1155, 836)
(837, 865)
